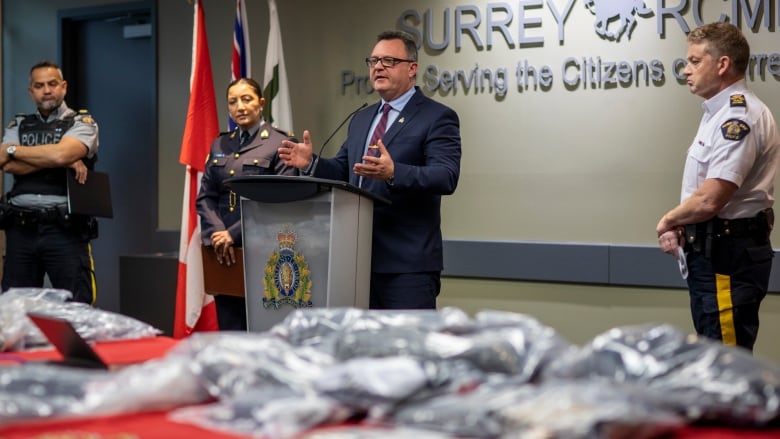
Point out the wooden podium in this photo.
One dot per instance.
(306, 243)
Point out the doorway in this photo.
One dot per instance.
(108, 56)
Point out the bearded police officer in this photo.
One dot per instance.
(37, 149)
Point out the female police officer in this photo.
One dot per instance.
(250, 149)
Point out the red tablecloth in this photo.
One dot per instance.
(114, 353)
(724, 433)
(154, 425)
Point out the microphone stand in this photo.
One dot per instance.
(349, 116)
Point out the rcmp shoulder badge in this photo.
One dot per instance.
(286, 278)
(737, 100)
(734, 129)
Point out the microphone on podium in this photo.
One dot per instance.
(322, 148)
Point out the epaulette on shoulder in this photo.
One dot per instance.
(17, 118)
(284, 133)
(737, 100)
(85, 117)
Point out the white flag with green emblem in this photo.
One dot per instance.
(277, 109)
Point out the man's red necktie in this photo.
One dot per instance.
(379, 131)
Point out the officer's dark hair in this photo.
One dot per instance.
(248, 81)
(723, 39)
(46, 64)
(409, 44)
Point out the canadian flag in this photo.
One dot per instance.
(195, 310)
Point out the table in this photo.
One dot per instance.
(114, 353)
(156, 425)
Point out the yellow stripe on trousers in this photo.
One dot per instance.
(725, 309)
(93, 281)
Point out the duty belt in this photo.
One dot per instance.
(28, 216)
(699, 237)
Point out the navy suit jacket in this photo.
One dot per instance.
(424, 143)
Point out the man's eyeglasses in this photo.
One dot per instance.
(387, 61)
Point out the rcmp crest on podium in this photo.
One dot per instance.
(286, 279)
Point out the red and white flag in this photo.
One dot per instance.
(195, 310)
(241, 58)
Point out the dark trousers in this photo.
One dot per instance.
(231, 312)
(404, 290)
(36, 250)
(727, 288)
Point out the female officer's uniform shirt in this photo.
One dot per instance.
(219, 207)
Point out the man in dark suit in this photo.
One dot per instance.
(405, 148)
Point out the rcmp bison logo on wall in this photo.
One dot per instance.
(619, 12)
(286, 279)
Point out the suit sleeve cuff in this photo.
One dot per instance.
(309, 169)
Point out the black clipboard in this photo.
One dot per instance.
(93, 198)
(75, 351)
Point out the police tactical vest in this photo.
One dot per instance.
(32, 132)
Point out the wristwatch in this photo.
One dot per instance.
(11, 150)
